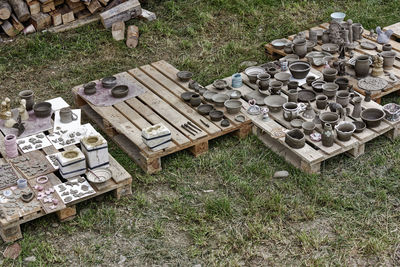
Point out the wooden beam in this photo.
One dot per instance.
(122, 12)
(8, 28)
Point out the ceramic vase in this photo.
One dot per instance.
(29, 97)
(236, 80)
(327, 137)
(388, 59)
(300, 47)
(362, 66)
(357, 107)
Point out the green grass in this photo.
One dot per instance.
(223, 208)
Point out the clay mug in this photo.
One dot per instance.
(343, 98)
(290, 111)
(67, 116)
(362, 66)
(357, 31)
(300, 47)
(275, 87)
(263, 81)
(321, 101)
(293, 95)
(293, 85)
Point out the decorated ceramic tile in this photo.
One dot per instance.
(74, 189)
(63, 137)
(33, 142)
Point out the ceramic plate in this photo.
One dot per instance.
(100, 175)
(372, 84)
(279, 43)
(368, 45)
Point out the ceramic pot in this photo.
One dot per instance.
(343, 98)
(327, 137)
(329, 74)
(290, 111)
(313, 35)
(362, 66)
(360, 126)
(299, 69)
(283, 77)
(272, 71)
(42, 109)
(317, 85)
(325, 37)
(236, 80)
(329, 117)
(275, 102)
(357, 107)
(310, 80)
(357, 31)
(67, 116)
(308, 127)
(233, 106)
(388, 59)
(372, 117)
(295, 138)
(345, 130)
(109, 82)
(387, 47)
(293, 85)
(330, 89)
(300, 47)
(184, 75)
(120, 91)
(29, 97)
(392, 111)
(288, 49)
(275, 87)
(252, 73)
(89, 88)
(10, 145)
(342, 82)
(263, 81)
(195, 100)
(322, 101)
(292, 95)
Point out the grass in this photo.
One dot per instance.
(223, 208)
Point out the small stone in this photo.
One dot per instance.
(122, 259)
(54, 225)
(30, 259)
(12, 251)
(197, 265)
(281, 174)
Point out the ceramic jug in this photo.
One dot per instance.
(357, 107)
(290, 111)
(357, 31)
(362, 66)
(66, 115)
(300, 47)
(327, 135)
(263, 81)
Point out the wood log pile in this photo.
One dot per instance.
(37, 15)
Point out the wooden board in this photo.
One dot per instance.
(123, 12)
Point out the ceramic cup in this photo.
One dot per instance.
(293, 95)
(66, 115)
(322, 101)
(293, 85)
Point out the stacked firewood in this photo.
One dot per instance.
(37, 15)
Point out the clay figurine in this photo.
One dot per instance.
(8, 104)
(349, 25)
(22, 110)
(383, 37)
(377, 66)
(19, 125)
(9, 123)
(3, 110)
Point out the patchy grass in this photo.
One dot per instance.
(223, 208)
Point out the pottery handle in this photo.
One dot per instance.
(361, 30)
(74, 116)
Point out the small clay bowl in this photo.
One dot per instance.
(233, 106)
(310, 45)
(252, 73)
(235, 94)
(208, 95)
(240, 118)
(329, 74)
(330, 48)
(89, 88)
(317, 85)
(216, 115)
(186, 96)
(280, 43)
(219, 99)
(360, 126)
(225, 123)
(220, 84)
(109, 82)
(306, 95)
(330, 89)
(308, 127)
(205, 109)
(296, 123)
(120, 91)
(310, 80)
(342, 82)
(283, 77)
(299, 69)
(275, 102)
(372, 117)
(184, 75)
(42, 109)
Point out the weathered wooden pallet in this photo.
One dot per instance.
(392, 87)
(310, 157)
(120, 185)
(161, 103)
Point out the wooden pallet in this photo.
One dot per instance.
(161, 103)
(392, 87)
(310, 157)
(120, 185)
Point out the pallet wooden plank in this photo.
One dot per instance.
(169, 71)
(119, 174)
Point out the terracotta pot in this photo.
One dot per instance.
(362, 66)
(295, 138)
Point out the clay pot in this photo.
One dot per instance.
(392, 111)
(299, 69)
(329, 74)
(357, 107)
(325, 37)
(220, 84)
(317, 85)
(216, 115)
(109, 82)
(263, 81)
(388, 59)
(360, 126)
(362, 66)
(283, 77)
(233, 106)
(343, 98)
(288, 49)
(310, 80)
(274, 102)
(300, 47)
(308, 127)
(357, 31)
(219, 99)
(329, 117)
(67, 116)
(290, 111)
(252, 73)
(292, 95)
(89, 88)
(387, 47)
(276, 87)
(322, 101)
(293, 85)
(327, 136)
(29, 97)
(372, 117)
(330, 89)
(345, 130)
(195, 100)
(342, 82)
(42, 109)
(310, 46)
(184, 75)
(120, 91)
(272, 71)
(186, 96)
(295, 138)
(204, 109)
(313, 35)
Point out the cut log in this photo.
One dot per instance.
(94, 6)
(68, 17)
(73, 5)
(78, 9)
(56, 18)
(132, 36)
(114, 3)
(46, 8)
(16, 23)
(34, 7)
(118, 30)
(83, 14)
(147, 15)
(5, 9)
(58, 2)
(20, 9)
(103, 2)
(41, 21)
(75, 24)
(8, 28)
(122, 12)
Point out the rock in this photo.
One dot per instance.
(30, 259)
(54, 225)
(122, 259)
(197, 265)
(12, 251)
(281, 174)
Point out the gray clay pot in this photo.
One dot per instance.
(329, 74)
(328, 117)
(372, 117)
(388, 59)
(342, 82)
(216, 115)
(295, 138)
(109, 82)
(299, 69)
(42, 109)
(184, 76)
(343, 98)
(362, 66)
(120, 91)
(28, 95)
(345, 130)
(195, 100)
(233, 106)
(205, 109)
(89, 88)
